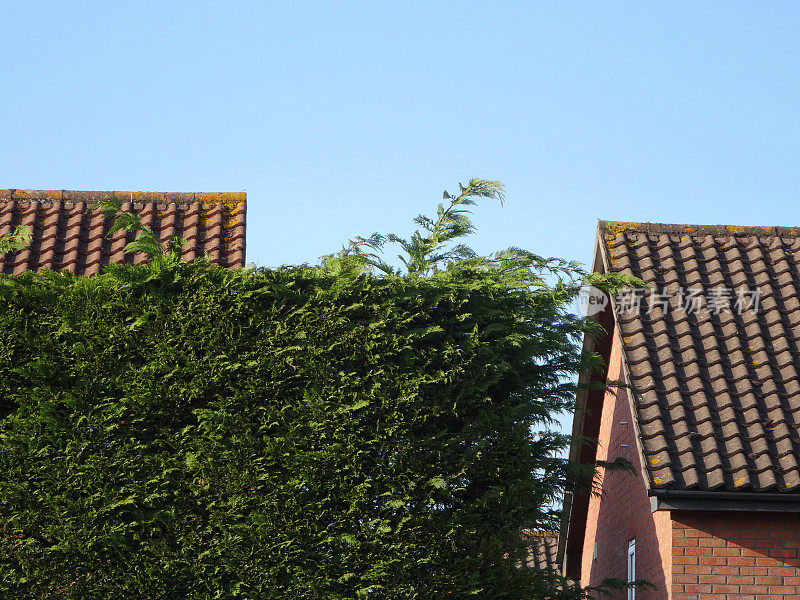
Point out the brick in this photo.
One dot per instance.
(700, 551)
(738, 534)
(694, 569)
(769, 561)
(727, 570)
(698, 588)
(686, 542)
(768, 543)
(769, 580)
(753, 589)
(783, 534)
(754, 570)
(726, 551)
(726, 589)
(783, 589)
(709, 542)
(740, 580)
(696, 533)
(713, 579)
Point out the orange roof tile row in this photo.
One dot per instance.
(68, 235)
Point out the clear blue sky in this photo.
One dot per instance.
(345, 118)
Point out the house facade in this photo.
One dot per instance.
(707, 410)
(68, 235)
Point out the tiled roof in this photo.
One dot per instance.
(717, 390)
(544, 548)
(67, 235)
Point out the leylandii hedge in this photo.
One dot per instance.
(182, 431)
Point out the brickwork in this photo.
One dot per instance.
(686, 555)
(736, 556)
(622, 511)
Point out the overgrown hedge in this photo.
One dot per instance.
(183, 431)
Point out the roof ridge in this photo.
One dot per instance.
(54, 196)
(618, 227)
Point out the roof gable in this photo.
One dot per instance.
(717, 390)
(68, 236)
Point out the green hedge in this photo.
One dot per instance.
(183, 431)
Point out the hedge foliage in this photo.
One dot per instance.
(178, 430)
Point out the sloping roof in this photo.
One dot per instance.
(717, 390)
(67, 235)
(544, 548)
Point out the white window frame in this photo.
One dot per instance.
(632, 568)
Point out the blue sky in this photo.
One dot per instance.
(346, 118)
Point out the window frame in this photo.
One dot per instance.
(631, 568)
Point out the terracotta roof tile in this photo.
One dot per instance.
(717, 392)
(544, 550)
(66, 235)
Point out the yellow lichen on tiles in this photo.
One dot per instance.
(739, 481)
(655, 461)
(657, 480)
(230, 218)
(233, 198)
(617, 227)
(207, 198)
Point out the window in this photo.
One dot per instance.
(632, 568)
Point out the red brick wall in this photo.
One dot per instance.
(735, 556)
(622, 512)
